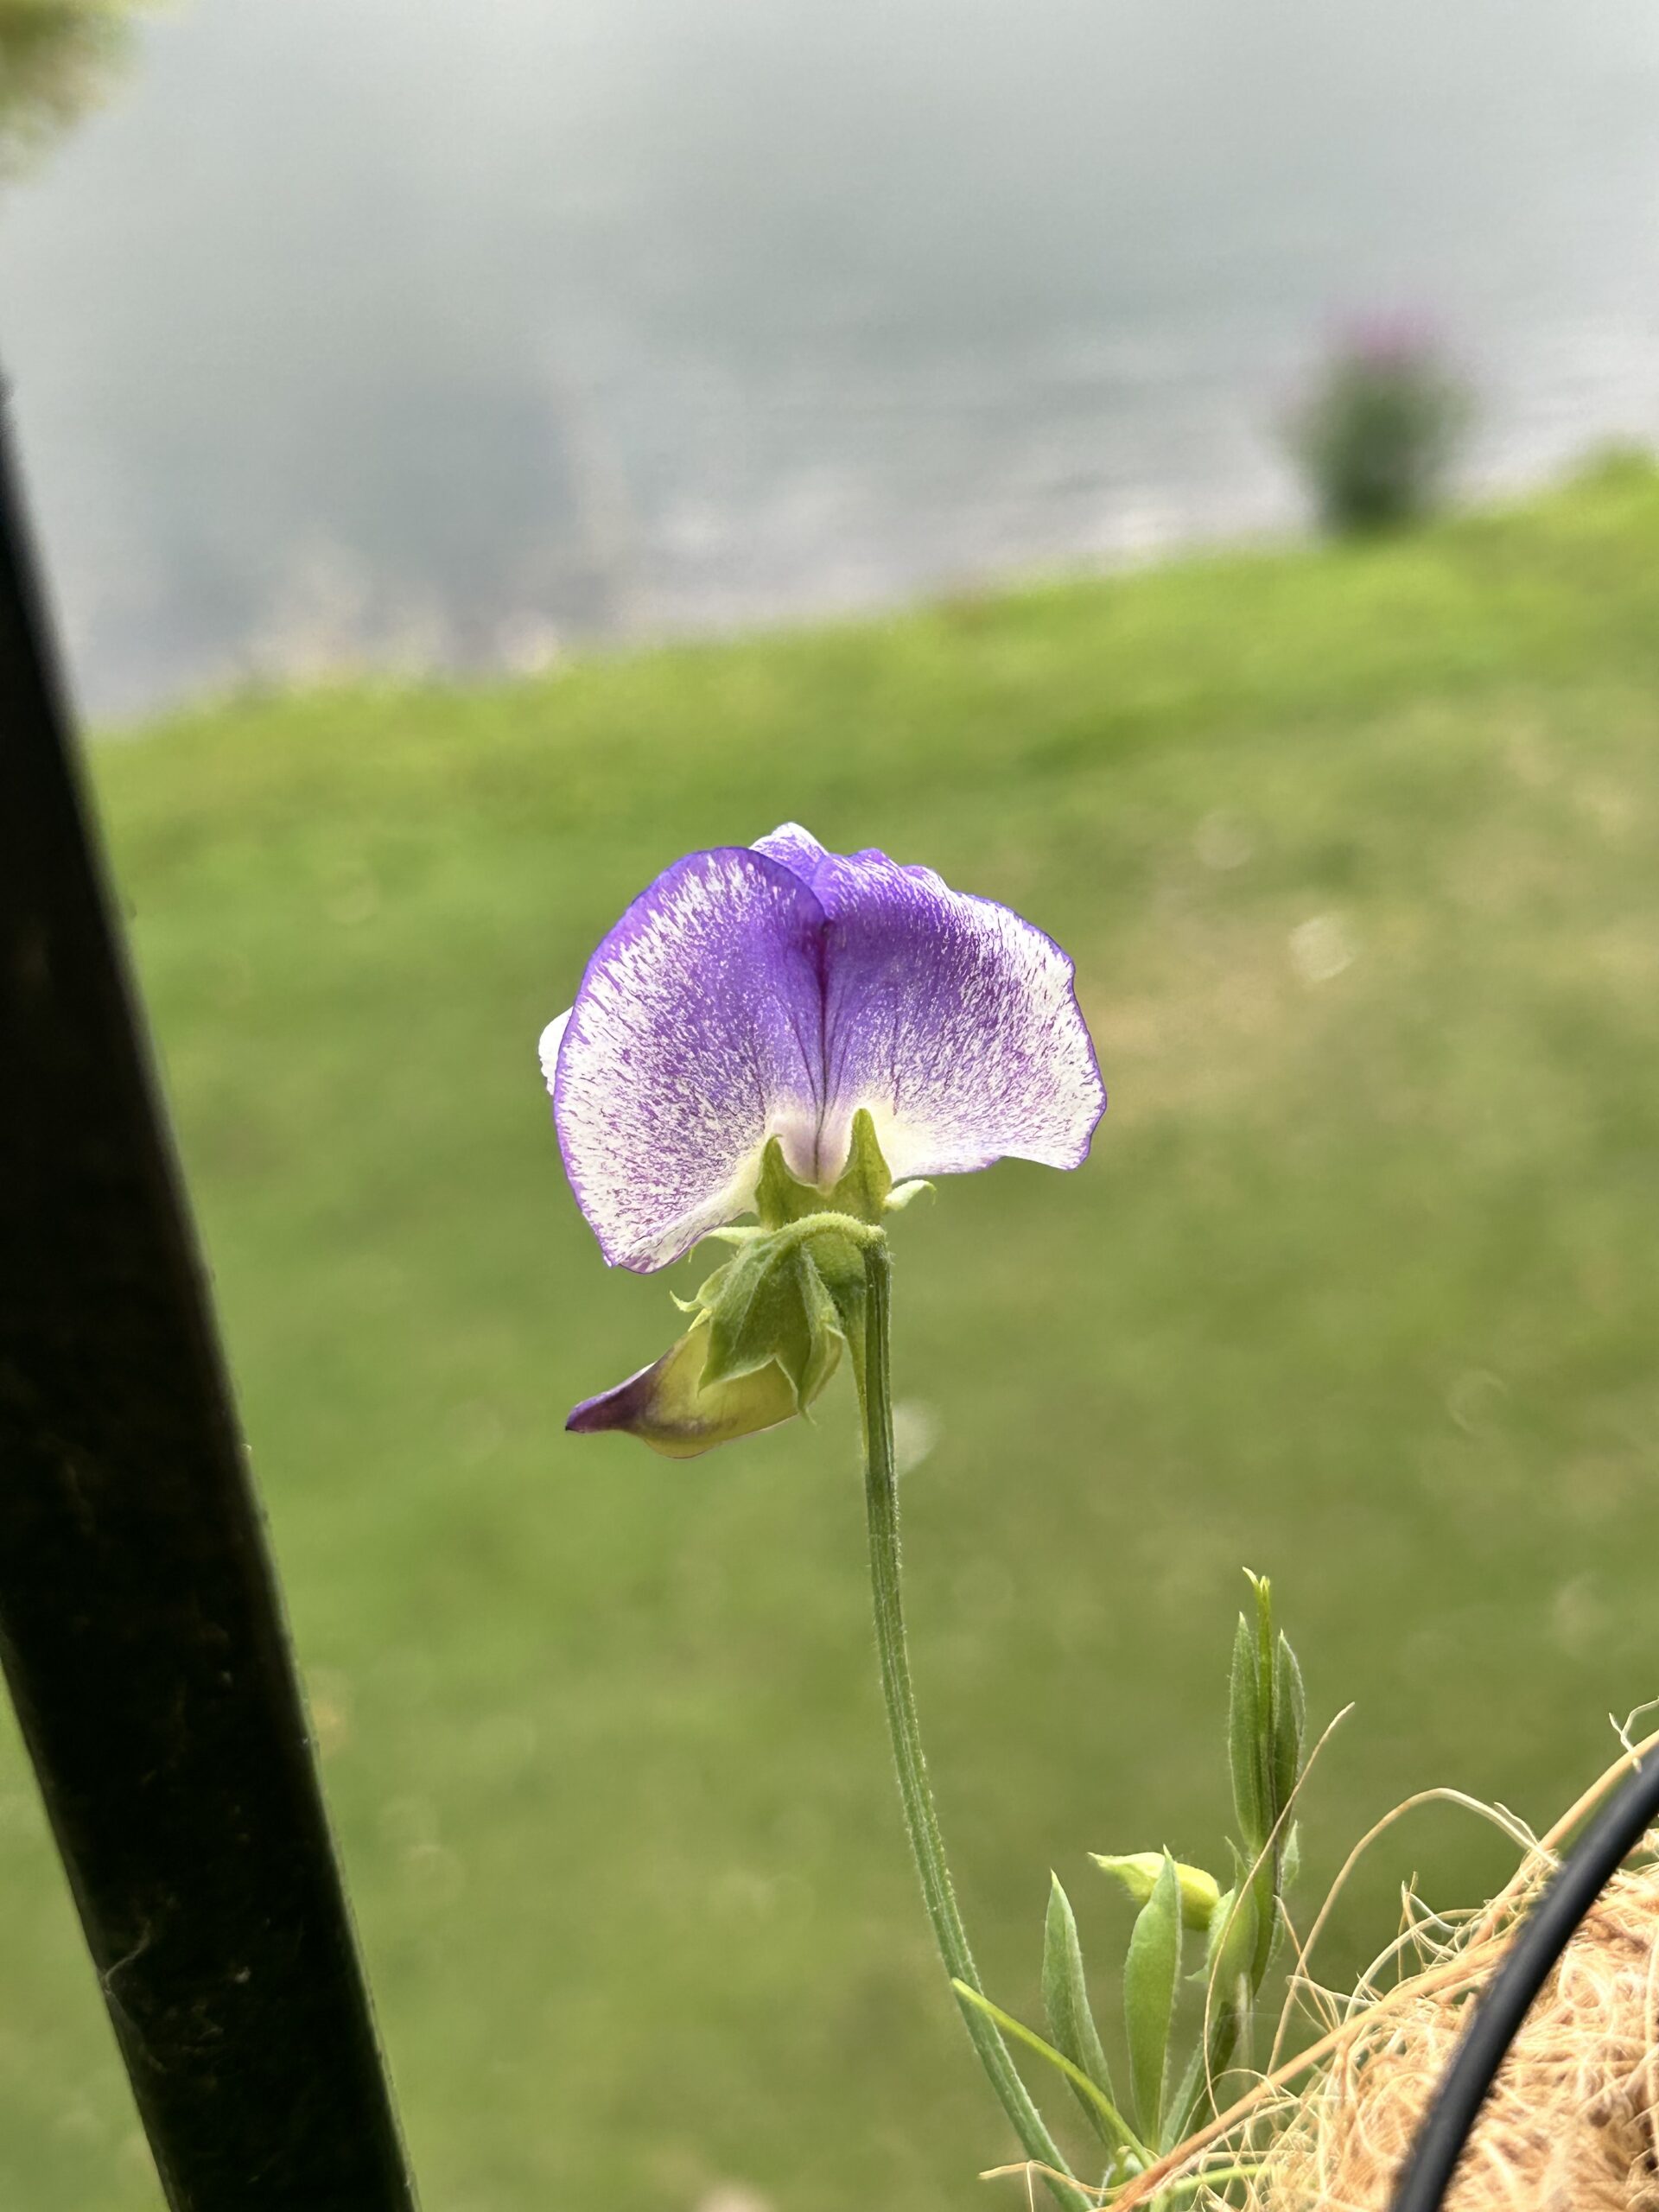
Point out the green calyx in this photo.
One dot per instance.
(864, 1189)
(792, 1297)
(768, 1328)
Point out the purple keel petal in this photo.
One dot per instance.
(697, 1035)
(669, 1406)
(953, 1020)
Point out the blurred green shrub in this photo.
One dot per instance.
(1617, 464)
(1378, 435)
(55, 57)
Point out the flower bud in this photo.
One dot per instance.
(670, 1408)
(1139, 1872)
(769, 1330)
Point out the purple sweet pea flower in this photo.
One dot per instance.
(774, 990)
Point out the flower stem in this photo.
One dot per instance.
(921, 1817)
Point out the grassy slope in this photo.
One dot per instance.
(1359, 1287)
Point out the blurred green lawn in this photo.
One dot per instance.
(1359, 854)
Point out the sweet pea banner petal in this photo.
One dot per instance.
(955, 1022)
(694, 1036)
(775, 991)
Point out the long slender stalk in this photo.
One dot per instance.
(921, 1817)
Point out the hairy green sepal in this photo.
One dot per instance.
(793, 1297)
(769, 1327)
(864, 1190)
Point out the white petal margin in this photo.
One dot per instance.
(695, 1036)
(547, 1046)
(954, 1020)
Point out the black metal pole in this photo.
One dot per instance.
(141, 1628)
(1504, 2004)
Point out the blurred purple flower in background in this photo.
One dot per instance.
(1390, 338)
(1379, 432)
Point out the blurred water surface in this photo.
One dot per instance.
(440, 333)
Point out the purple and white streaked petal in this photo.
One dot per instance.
(548, 1044)
(774, 990)
(798, 850)
(954, 1020)
(695, 1036)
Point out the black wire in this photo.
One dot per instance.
(1545, 1933)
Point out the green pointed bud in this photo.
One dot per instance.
(1244, 1749)
(1139, 1872)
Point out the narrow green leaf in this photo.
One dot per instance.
(1232, 1940)
(1122, 2133)
(1193, 2102)
(1289, 1723)
(1290, 1858)
(1243, 1747)
(1261, 1591)
(1266, 1680)
(1150, 1972)
(1190, 2094)
(1066, 2007)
